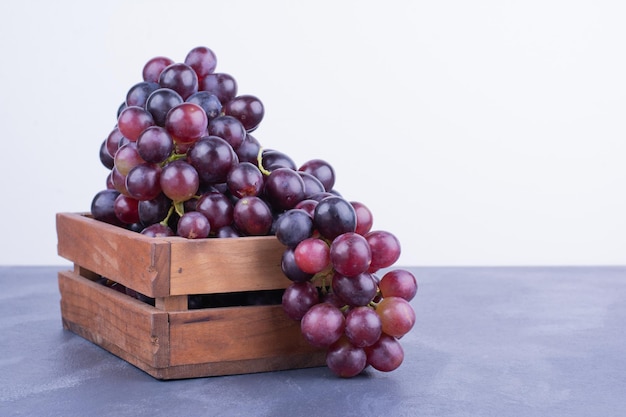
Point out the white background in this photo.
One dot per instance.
(480, 132)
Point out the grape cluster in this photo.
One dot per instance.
(183, 162)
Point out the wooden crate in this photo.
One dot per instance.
(167, 340)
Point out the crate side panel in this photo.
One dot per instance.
(276, 363)
(234, 334)
(134, 260)
(226, 265)
(128, 328)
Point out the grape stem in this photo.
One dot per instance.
(165, 221)
(259, 159)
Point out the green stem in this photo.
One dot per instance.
(259, 159)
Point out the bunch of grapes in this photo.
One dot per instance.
(183, 162)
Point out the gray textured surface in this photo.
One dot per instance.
(488, 342)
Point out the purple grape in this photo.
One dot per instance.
(193, 225)
(217, 208)
(322, 325)
(359, 290)
(247, 109)
(245, 179)
(229, 129)
(181, 78)
(344, 359)
(252, 216)
(155, 144)
(298, 298)
(179, 181)
(222, 85)
(334, 216)
(143, 181)
(102, 207)
(202, 60)
(321, 170)
(213, 158)
(153, 68)
(284, 188)
(138, 94)
(293, 226)
(160, 102)
(154, 210)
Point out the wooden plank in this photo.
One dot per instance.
(234, 334)
(226, 265)
(132, 259)
(128, 328)
(274, 363)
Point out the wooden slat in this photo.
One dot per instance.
(136, 261)
(226, 265)
(130, 329)
(234, 334)
(274, 363)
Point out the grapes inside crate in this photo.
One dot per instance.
(207, 254)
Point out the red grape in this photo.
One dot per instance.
(396, 315)
(350, 254)
(398, 283)
(322, 325)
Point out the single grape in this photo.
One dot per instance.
(154, 210)
(398, 283)
(186, 122)
(321, 170)
(222, 85)
(179, 180)
(155, 144)
(312, 185)
(138, 94)
(252, 216)
(158, 230)
(248, 151)
(386, 354)
(113, 141)
(396, 315)
(217, 208)
(284, 188)
(334, 216)
(245, 179)
(153, 68)
(105, 158)
(272, 159)
(359, 290)
(209, 103)
(293, 227)
(350, 254)
(247, 109)
(322, 325)
(290, 268)
(181, 78)
(363, 326)
(143, 181)
(312, 255)
(127, 157)
(160, 102)
(102, 206)
(227, 232)
(364, 217)
(202, 60)
(385, 249)
(213, 158)
(298, 298)
(193, 225)
(119, 181)
(133, 120)
(126, 209)
(229, 129)
(344, 359)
